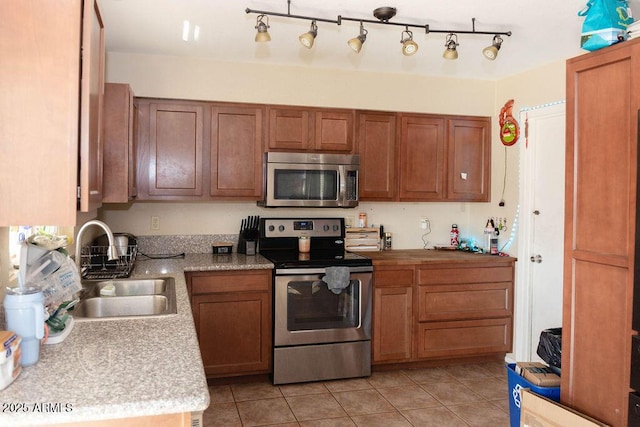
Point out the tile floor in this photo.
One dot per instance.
(467, 395)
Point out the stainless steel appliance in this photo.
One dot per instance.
(310, 180)
(322, 326)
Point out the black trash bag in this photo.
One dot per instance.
(550, 346)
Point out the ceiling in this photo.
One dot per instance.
(543, 31)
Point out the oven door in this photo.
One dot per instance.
(308, 312)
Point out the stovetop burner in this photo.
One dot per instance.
(294, 259)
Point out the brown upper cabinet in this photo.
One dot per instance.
(191, 150)
(236, 151)
(376, 136)
(120, 130)
(52, 84)
(310, 129)
(421, 157)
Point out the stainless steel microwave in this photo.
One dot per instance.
(310, 180)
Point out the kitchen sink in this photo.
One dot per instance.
(126, 298)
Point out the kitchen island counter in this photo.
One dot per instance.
(125, 368)
(430, 256)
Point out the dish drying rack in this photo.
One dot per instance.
(96, 265)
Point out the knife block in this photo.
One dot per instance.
(246, 246)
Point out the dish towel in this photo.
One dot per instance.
(336, 278)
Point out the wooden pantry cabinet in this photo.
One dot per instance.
(192, 151)
(430, 306)
(120, 137)
(601, 269)
(52, 85)
(232, 315)
(423, 157)
(310, 129)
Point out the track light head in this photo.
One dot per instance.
(451, 45)
(309, 37)
(263, 34)
(409, 47)
(357, 42)
(491, 52)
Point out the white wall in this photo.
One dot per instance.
(198, 78)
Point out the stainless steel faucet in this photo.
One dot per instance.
(112, 252)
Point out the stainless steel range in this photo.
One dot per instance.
(322, 301)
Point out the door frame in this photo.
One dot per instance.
(523, 316)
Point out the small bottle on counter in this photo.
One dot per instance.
(362, 220)
(304, 244)
(387, 241)
(455, 235)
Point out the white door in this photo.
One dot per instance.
(541, 238)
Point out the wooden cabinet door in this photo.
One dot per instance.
(376, 137)
(234, 331)
(91, 108)
(422, 161)
(175, 158)
(334, 130)
(392, 314)
(469, 159)
(236, 152)
(601, 188)
(289, 129)
(120, 130)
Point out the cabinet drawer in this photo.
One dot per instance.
(478, 274)
(635, 363)
(232, 281)
(447, 302)
(634, 410)
(390, 276)
(464, 338)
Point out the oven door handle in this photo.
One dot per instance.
(320, 270)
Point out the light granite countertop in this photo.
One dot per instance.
(122, 368)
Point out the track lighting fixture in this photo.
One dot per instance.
(383, 16)
(409, 47)
(451, 44)
(491, 52)
(263, 34)
(357, 42)
(308, 38)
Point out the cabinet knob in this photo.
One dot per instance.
(536, 212)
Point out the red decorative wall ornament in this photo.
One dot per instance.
(509, 129)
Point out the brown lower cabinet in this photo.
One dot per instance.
(232, 315)
(443, 310)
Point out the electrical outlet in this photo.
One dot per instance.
(424, 223)
(155, 223)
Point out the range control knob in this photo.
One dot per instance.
(336, 227)
(325, 227)
(281, 228)
(271, 228)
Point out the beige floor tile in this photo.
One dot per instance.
(429, 375)
(315, 407)
(489, 388)
(303, 389)
(433, 417)
(481, 414)
(388, 419)
(363, 402)
(467, 371)
(220, 394)
(408, 397)
(221, 415)
(496, 369)
(502, 404)
(329, 422)
(389, 379)
(452, 393)
(254, 391)
(348, 385)
(264, 412)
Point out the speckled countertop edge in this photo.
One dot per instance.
(122, 368)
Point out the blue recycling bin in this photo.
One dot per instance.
(516, 383)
